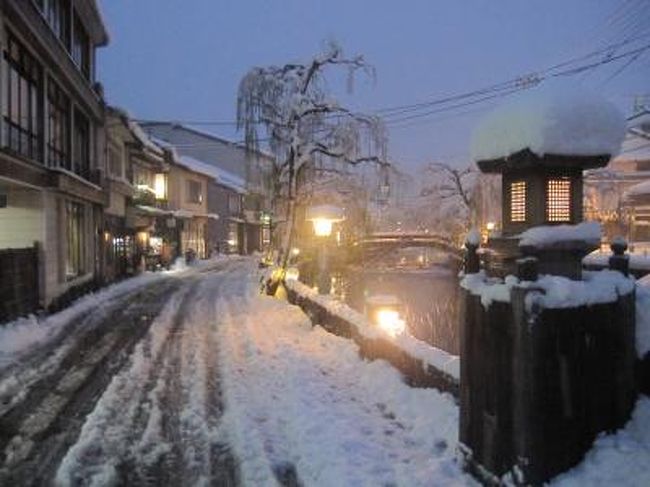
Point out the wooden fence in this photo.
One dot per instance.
(18, 282)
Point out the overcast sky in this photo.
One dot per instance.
(183, 59)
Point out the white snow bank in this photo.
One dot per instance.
(618, 459)
(428, 354)
(555, 291)
(555, 119)
(547, 236)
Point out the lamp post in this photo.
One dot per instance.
(323, 218)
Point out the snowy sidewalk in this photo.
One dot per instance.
(302, 406)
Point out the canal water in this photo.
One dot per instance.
(429, 297)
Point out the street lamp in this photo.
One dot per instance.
(323, 218)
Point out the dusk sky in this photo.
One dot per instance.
(182, 60)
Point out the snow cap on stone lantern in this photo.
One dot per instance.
(541, 142)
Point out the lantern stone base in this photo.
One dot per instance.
(538, 385)
(560, 259)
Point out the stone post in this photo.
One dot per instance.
(619, 261)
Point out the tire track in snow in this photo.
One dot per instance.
(158, 420)
(38, 430)
(35, 367)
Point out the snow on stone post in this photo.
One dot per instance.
(547, 354)
(619, 261)
(472, 242)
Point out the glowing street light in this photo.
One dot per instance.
(323, 218)
(322, 227)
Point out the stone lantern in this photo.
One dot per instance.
(539, 191)
(547, 358)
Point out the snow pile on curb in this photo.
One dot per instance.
(551, 120)
(547, 236)
(428, 354)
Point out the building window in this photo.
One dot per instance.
(81, 145)
(75, 235)
(81, 47)
(194, 193)
(234, 204)
(518, 201)
(58, 124)
(58, 16)
(22, 105)
(115, 166)
(558, 200)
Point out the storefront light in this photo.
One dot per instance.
(143, 238)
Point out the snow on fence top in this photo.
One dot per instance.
(557, 120)
(547, 236)
(556, 291)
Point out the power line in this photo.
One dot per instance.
(396, 114)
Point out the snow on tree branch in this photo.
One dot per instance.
(290, 108)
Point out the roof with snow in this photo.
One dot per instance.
(203, 146)
(551, 121)
(221, 176)
(638, 190)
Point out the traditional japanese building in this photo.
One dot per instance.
(51, 149)
(238, 192)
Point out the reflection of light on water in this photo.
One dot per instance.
(390, 321)
(429, 300)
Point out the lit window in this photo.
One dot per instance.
(558, 200)
(518, 201)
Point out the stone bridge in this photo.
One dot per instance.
(377, 244)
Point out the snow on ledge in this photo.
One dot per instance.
(557, 119)
(428, 354)
(555, 291)
(547, 236)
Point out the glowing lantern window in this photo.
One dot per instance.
(518, 201)
(160, 186)
(558, 200)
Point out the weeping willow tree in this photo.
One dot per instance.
(290, 108)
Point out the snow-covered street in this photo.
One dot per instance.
(130, 386)
(194, 378)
